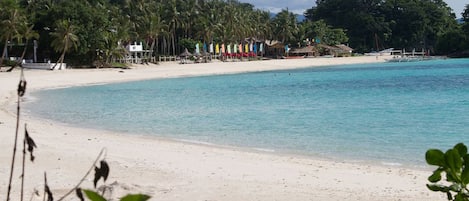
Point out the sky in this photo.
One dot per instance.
(299, 6)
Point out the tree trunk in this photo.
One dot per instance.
(4, 52)
(174, 43)
(61, 60)
(150, 53)
(21, 59)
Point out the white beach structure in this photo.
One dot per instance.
(45, 66)
(136, 53)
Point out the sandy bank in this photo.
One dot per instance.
(170, 170)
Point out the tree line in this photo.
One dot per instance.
(374, 24)
(99, 30)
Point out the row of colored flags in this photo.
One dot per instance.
(230, 48)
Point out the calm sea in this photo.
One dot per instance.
(388, 113)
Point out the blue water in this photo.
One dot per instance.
(388, 113)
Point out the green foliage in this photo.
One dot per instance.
(105, 27)
(325, 33)
(284, 26)
(188, 43)
(135, 197)
(94, 196)
(452, 41)
(372, 24)
(454, 164)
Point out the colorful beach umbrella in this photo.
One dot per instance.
(240, 48)
(261, 48)
(211, 48)
(246, 48)
(251, 49)
(229, 49)
(254, 48)
(197, 49)
(217, 48)
(205, 47)
(223, 48)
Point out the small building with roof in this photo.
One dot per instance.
(308, 51)
(336, 51)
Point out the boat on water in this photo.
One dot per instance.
(413, 56)
(406, 59)
(386, 52)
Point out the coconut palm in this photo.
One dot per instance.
(26, 33)
(285, 26)
(11, 17)
(64, 39)
(174, 19)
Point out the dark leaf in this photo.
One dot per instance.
(22, 88)
(461, 148)
(104, 170)
(97, 176)
(436, 187)
(449, 195)
(436, 176)
(47, 191)
(459, 197)
(454, 160)
(465, 175)
(435, 157)
(31, 144)
(455, 188)
(101, 172)
(80, 194)
(135, 197)
(93, 196)
(449, 177)
(466, 160)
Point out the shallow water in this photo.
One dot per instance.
(390, 113)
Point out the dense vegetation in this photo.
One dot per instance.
(452, 175)
(428, 24)
(98, 30)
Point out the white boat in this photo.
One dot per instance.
(385, 52)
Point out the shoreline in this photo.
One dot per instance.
(176, 170)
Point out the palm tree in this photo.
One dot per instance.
(11, 18)
(25, 32)
(64, 39)
(174, 19)
(151, 28)
(285, 26)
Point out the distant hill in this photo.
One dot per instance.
(460, 20)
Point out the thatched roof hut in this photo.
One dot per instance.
(337, 51)
(305, 51)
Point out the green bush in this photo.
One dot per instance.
(454, 165)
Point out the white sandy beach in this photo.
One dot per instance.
(170, 170)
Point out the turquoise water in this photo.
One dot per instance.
(389, 113)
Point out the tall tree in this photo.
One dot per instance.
(363, 19)
(285, 26)
(12, 17)
(64, 39)
(25, 34)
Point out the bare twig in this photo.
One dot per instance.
(100, 155)
(21, 91)
(24, 161)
